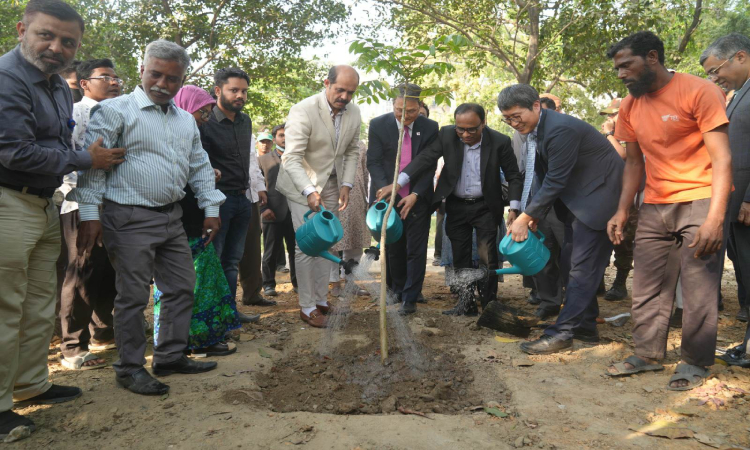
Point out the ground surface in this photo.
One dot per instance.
(278, 391)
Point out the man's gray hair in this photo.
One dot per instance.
(521, 95)
(726, 46)
(408, 90)
(167, 51)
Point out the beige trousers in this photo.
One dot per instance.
(29, 248)
(313, 272)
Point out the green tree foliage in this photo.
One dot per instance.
(263, 37)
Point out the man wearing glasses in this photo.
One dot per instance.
(727, 63)
(579, 174)
(470, 185)
(88, 290)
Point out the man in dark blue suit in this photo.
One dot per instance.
(581, 176)
(408, 256)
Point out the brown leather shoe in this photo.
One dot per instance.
(315, 319)
(326, 310)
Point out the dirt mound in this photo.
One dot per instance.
(421, 376)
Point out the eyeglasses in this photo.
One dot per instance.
(714, 73)
(107, 79)
(205, 114)
(512, 119)
(462, 130)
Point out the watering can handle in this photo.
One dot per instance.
(540, 235)
(322, 208)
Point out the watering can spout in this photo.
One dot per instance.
(513, 270)
(330, 257)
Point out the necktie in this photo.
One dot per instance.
(405, 160)
(529, 175)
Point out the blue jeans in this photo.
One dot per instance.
(235, 216)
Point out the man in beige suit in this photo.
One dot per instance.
(318, 169)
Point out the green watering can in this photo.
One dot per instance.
(526, 258)
(320, 233)
(374, 221)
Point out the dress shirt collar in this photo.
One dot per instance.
(143, 102)
(88, 101)
(280, 153)
(473, 147)
(536, 128)
(330, 110)
(219, 114)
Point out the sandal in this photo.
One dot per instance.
(688, 372)
(77, 362)
(102, 346)
(639, 365)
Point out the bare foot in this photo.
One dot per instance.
(95, 362)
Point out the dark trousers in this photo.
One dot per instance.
(251, 278)
(143, 244)
(624, 250)
(274, 236)
(588, 251)
(738, 249)
(236, 213)
(408, 256)
(439, 218)
(550, 281)
(88, 293)
(661, 256)
(462, 219)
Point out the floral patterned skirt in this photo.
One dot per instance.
(214, 309)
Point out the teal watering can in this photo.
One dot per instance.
(526, 258)
(374, 221)
(320, 233)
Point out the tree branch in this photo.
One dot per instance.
(692, 27)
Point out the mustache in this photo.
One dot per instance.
(159, 90)
(51, 55)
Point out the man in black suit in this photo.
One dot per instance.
(276, 220)
(470, 184)
(727, 63)
(581, 176)
(407, 257)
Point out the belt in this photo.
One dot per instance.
(469, 201)
(39, 192)
(233, 192)
(164, 208)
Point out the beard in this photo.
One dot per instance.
(640, 86)
(232, 106)
(45, 66)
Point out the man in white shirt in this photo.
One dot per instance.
(88, 291)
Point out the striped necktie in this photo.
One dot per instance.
(529, 175)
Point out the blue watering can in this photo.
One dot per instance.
(374, 221)
(526, 258)
(320, 233)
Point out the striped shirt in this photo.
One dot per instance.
(164, 154)
(469, 183)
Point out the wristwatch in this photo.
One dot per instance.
(608, 134)
(514, 210)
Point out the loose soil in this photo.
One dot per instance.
(264, 396)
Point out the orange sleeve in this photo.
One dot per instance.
(624, 129)
(709, 107)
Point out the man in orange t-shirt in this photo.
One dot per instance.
(679, 123)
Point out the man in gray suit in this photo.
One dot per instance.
(277, 219)
(727, 63)
(576, 168)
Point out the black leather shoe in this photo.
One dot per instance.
(736, 356)
(257, 300)
(546, 313)
(141, 382)
(533, 299)
(407, 308)
(588, 336)
(742, 316)
(421, 299)
(244, 318)
(461, 310)
(55, 394)
(182, 365)
(546, 344)
(616, 293)
(10, 420)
